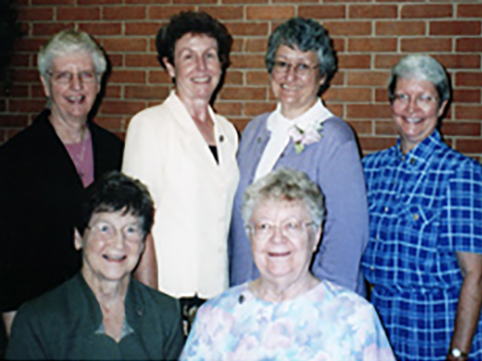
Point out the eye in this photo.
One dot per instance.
(263, 227)
(63, 76)
(212, 55)
(87, 75)
(104, 228)
(281, 64)
(402, 97)
(302, 67)
(425, 98)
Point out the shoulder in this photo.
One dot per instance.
(150, 116)
(376, 159)
(105, 135)
(448, 158)
(30, 136)
(256, 123)
(155, 300)
(226, 126)
(338, 130)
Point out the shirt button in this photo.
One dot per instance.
(377, 238)
(372, 268)
(415, 217)
(413, 161)
(403, 158)
(386, 209)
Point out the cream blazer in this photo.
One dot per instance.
(193, 195)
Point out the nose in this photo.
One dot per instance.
(76, 83)
(118, 240)
(412, 105)
(291, 72)
(201, 63)
(278, 235)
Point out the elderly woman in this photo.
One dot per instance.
(287, 313)
(185, 154)
(424, 257)
(45, 168)
(102, 313)
(302, 134)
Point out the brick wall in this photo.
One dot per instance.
(370, 36)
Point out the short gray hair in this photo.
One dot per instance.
(285, 184)
(68, 42)
(306, 35)
(421, 67)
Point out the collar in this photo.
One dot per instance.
(422, 153)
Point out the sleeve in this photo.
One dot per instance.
(200, 344)
(345, 233)
(26, 341)
(175, 338)
(140, 153)
(462, 213)
(376, 347)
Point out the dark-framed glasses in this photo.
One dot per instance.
(65, 77)
(301, 69)
(107, 231)
(291, 228)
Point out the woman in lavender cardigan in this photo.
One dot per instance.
(302, 134)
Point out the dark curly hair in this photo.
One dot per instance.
(114, 192)
(194, 22)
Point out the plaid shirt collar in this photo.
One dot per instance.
(420, 156)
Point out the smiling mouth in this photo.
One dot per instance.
(279, 254)
(201, 80)
(111, 258)
(76, 99)
(413, 120)
(287, 87)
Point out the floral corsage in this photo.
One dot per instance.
(304, 134)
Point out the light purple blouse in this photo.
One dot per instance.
(334, 164)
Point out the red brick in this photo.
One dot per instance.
(49, 29)
(426, 44)
(233, 77)
(99, 2)
(195, 2)
(142, 60)
(159, 77)
(18, 91)
(468, 79)
(372, 11)
(127, 76)
(124, 44)
(124, 12)
(111, 123)
(224, 12)
(226, 108)
(78, 13)
(116, 60)
(255, 45)
(23, 106)
(367, 78)
(244, 93)
(459, 128)
(372, 44)
(459, 61)
(469, 10)
(470, 45)
(146, 92)
(165, 12)
(399, 28)
(339, 45)
(121, 107)
(25, 75)
(244, 2)
(385, 127)
(253, 109)
(346, 28)
(241, 29)
(142, 28)
(269, 12)
(247, 61)
(256, 77)
(469, 145)
(348, 94)
(373, 144)
(53, 2)
(157, 2)
(386, 61)
(354, 61)
(455, 28)
(113, 91)
(9, 120)
(20, 60)
(322, 12)
(35, 13)
(361, 126)
(472, 112)
(427, 11)
(101, 28)
(466, 96)
(368, 111)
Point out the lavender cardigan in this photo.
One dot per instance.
(334, 164)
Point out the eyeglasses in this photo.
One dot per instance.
(291, 228)
(422, 101)
(65, 77)
(107, 231)
(301, 69)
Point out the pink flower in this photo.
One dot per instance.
(304, 134)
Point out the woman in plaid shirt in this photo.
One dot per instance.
(424, 257)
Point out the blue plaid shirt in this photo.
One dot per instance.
(424, 207)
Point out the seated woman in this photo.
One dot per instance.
(102, 313)
(286, 313)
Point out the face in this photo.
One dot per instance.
(72, 99)
(296, 92)
(112, 246)
(415, 111)
(283, 240)
(196, 67)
